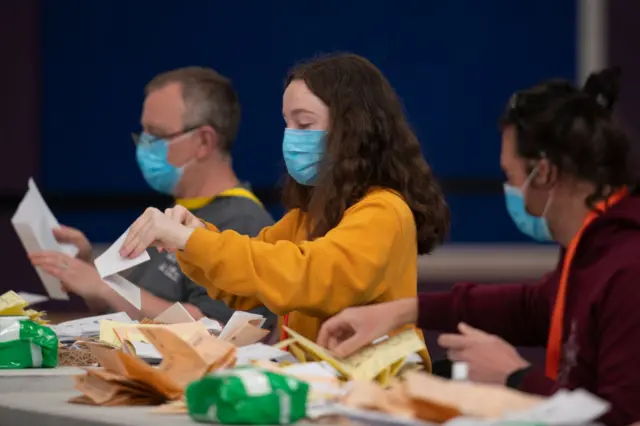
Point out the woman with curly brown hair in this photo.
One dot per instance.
(362, 203)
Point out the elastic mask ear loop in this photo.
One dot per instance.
(547, 205)
(179, 139)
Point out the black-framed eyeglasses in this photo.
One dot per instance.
(137, 136)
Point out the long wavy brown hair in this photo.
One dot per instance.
(369, 144)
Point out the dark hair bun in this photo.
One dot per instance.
(604, 86)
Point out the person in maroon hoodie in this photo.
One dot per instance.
(569, 180)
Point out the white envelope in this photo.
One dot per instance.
(125, 288)
(110, 262)
(240, 318)
(34, 222)
(175, 314)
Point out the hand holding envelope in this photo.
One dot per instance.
(154, 228)
(34, 223)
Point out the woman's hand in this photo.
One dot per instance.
(154, 228)
(355, 328)
(490, 358)
(184, 216)
(68, 235)
(76, 276)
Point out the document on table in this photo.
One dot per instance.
(110, 263)
(34, 222)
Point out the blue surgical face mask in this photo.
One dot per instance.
(161, 175)
(303, 151)
(532, 226)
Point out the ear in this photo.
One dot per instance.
(209, 142)
(546, 175)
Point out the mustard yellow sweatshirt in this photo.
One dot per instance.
(369, 257)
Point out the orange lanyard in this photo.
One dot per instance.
(285, 336)
(285, 322)
(554, 344)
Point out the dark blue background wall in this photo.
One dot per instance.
(454, 63)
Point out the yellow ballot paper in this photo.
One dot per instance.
(12, 304)
(372, 362)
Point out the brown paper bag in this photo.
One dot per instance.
(246, 334)
(471, 399)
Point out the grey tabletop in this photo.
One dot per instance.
(39, 397)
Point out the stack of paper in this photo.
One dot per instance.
(243, 329)
(380, 362)
(34, 223)
(128, 380)
(86, 328)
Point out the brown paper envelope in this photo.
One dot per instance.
(81, 399)
(184, 361)
(173, 407)
(247, 334)
(472, 399)
(131, 386)
(136, 369)
(107, 358)
(98, 390)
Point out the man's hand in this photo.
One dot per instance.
(68, 235)
(154, 228)
(355, 328)
(76, 276)
(490, 358)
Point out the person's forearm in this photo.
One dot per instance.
(407, 311)
(152, 306)
(96, 305)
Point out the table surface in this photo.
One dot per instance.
(39, 396)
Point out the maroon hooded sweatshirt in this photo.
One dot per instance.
(601, 331)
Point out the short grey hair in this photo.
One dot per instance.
(209, 98)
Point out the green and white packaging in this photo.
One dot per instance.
(247, 395)
(26, 344)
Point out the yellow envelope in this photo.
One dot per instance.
(12, 304)
(370, 362)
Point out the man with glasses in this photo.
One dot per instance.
(190, 119)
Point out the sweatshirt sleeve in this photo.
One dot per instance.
(346, 267)
(519, 313)
(281, 230)
(618, 334)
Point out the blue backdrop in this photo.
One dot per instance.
(453, 62)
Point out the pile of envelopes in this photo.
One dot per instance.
(379, 362)
(128, 380)
(242, 329)
(426, 398)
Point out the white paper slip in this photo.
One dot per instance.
(175, 314)
(565, 408)
(261, 352)
(146, 351)
(34, 223)
(211, 325)
(49, 219)
(32, 299)
(110, 262)
(89, 326)
(125, 288)
(240, 318)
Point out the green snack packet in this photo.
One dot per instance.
(247, 395)
(26, 344)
